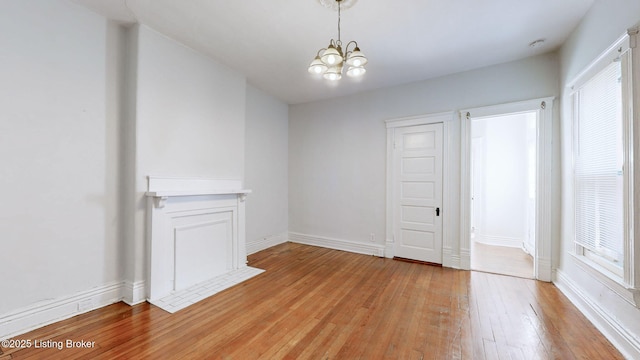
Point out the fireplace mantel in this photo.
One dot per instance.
(161, 197)
(196, 231)
(162, 188)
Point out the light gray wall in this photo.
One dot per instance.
(266, 162)
(190, 112)
(602, 26)
(337, 148)
(59, 130)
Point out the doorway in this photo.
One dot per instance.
(545, 205)
(503, 200)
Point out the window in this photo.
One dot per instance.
(602, 171)
(599, 169)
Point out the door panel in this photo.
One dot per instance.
(418, 166)
(418, 215)
(418, 183)
(417, 239)
(417, 190)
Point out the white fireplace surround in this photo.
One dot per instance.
(196, 232)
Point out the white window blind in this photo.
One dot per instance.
(598, 165)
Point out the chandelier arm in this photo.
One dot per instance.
(346, 48)
(352, 42)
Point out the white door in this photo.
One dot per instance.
(418, 193)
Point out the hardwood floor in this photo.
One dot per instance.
(316, 303)
(501, 260)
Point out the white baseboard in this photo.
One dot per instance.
(338, 244)
(47, 312)
(498, 240)
(619, 336)
(447, 257)
(389, 248)
(134, 293)
(265, 243)
(464, 259)
(528, 248)
(544, 270)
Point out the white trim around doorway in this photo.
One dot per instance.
(544, 180)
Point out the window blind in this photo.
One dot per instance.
(598, 165)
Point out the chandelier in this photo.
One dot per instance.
(329, 62)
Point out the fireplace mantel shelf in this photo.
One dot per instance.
(197, 192)
(160, 197)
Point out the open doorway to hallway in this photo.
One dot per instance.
(503, 193)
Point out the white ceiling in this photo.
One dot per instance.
(272, 42)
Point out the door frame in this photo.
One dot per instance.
(544, 181)
(450, 257)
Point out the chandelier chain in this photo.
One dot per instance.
(339, 3)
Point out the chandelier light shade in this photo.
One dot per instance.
(329, 62)
(333, 73)
(356, 71)
(331, 56)
(317, 67)
(356, 58)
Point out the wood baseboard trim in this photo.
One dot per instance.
(416, 261)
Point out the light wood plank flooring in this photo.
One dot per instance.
(316, 303)
(501, 260)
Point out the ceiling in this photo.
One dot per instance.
(272, 42)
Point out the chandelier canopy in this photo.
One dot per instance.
(329, 62)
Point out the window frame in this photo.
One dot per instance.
(625, 282)
(620, 54)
